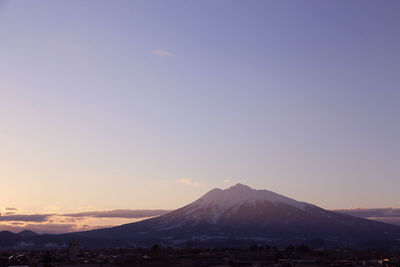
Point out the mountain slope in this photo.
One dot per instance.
(240, 215)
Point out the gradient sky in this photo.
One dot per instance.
(150, 104)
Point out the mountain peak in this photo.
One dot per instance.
(240, 186)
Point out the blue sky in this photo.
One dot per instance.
(150, 104)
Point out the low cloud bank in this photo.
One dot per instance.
(386, 215)
(25, 218)
(118, 213)
(71, 222)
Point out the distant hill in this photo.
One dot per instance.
(27, 233)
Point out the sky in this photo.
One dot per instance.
(150, 104)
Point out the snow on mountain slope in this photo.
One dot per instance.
(218, 202)
(242, 193)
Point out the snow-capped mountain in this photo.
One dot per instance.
(240, 215)
(237, 216)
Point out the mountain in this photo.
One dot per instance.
(235, 217)
(240, 215)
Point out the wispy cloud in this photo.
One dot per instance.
(11, 209)
(162, 53)
(5, 210)
(387, 215)
(227, 181)
(190, 182)
(52, 208)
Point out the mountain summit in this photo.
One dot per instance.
(241, 215)
(241, 194)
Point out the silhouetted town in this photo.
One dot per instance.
(256, 255)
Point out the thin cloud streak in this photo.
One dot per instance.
(190, 182)
(162, 53)
(122, 213)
